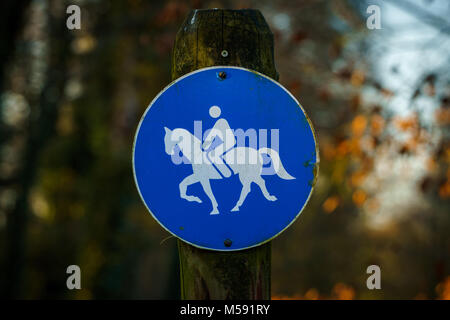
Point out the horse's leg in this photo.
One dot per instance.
(183, 187)
(262, 185)
(244, 192)
(207, 188)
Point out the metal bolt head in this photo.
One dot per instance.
(224, 53)
(227, 243)
(222, 75)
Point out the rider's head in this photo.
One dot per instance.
(214, 111)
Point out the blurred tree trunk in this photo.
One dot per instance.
(12, 14)
(43, 114)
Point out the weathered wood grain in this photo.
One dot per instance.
(246, 37)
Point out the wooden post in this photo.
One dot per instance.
(236, 38)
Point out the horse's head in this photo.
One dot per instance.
(185, 141)
(168, 142)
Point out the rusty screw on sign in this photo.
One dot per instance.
(227, 243)
(221, 75)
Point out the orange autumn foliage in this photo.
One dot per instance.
(357, 178)
(312, 294)
(444, 190)
(341, 291)
(442, 116)
(327, 150)
(331, 204)
(359, 197)
(357, 78)
(443, 289)
(359, 124)
(284, 297)
(377, 125)
(405, 123)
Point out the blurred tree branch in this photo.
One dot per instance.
(40, 128)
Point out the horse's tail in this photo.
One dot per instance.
(276, 162)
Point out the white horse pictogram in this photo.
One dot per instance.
(244, 161)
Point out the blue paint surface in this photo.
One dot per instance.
(247, 100)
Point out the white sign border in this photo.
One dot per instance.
(223, 68)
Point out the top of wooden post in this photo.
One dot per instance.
(214, 37)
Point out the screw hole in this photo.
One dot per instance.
(227, 243)
(224, 53)
(221, 75)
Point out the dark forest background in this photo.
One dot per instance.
(70, 102)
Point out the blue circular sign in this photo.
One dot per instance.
(225, 158)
